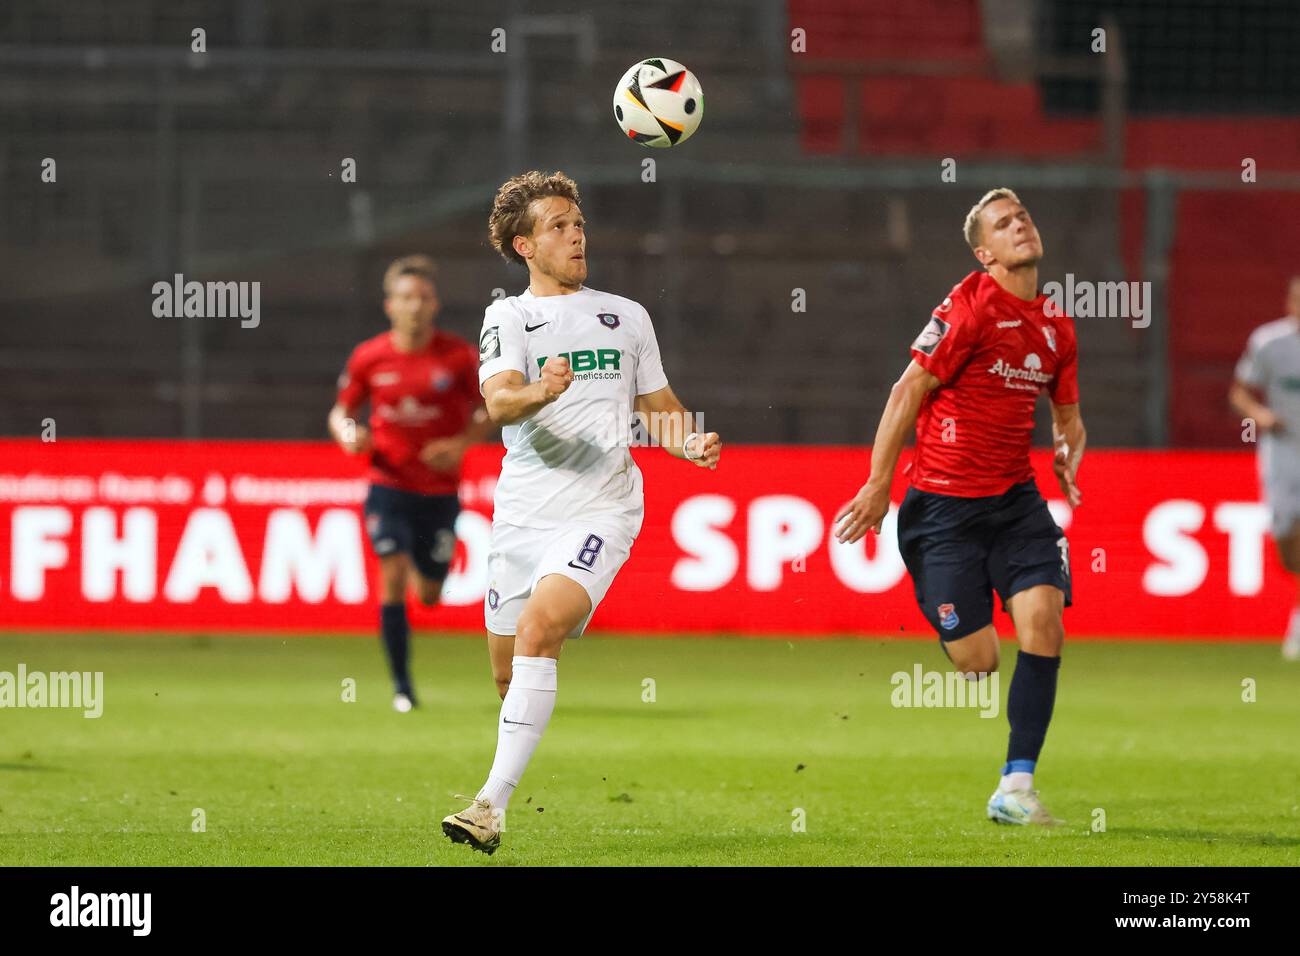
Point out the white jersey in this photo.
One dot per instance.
(1271, 364)
(570, 460)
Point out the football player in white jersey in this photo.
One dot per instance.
(562, 368)
(1270, 368)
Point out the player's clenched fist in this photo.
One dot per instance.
(704, 449)
(556, 377)
(865, 512)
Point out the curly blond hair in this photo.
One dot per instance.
(512, 209)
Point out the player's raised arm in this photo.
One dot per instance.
(510, 399)
(503, 361)
(668, 422)
(1069, 438)
(869, 506)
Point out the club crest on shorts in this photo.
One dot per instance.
(493, 598)
(948, 616)
(608, 319)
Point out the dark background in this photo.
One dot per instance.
(816, 170)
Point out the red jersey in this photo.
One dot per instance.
(414, 397)
(993, 352)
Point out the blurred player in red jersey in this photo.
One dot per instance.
(425, 411)
(973, 521)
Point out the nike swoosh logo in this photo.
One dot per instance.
(517, 723)
(534, 328)
(579, 567)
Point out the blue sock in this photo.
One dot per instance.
(1029, 709)
(397, 644)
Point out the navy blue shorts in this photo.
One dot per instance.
(423, 526)
(960, 550)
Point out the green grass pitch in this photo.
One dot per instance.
(741, 734)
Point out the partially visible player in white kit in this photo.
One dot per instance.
(1270, 369)
(563, 368)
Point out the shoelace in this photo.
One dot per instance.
(474, 800)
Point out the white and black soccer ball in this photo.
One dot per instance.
(659, 103)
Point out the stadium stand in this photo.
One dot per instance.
(244, 177)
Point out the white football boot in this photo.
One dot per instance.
(479, 825)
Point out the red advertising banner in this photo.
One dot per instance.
(267, 536)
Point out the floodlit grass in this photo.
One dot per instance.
(741, 735)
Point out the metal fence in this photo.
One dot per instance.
(226, 165)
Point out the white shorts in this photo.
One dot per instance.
(1283, 499)
(589, 552)
(1279, 473)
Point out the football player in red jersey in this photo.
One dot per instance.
(973, 521)
(425, 411)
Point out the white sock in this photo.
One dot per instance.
(524, 714)
(1016, 781)
(1294, 628)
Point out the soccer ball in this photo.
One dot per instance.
(658, 102)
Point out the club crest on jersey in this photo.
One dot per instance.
(931, 336)
(441, 380)
(1050, 334)
(608, 319)
(948, 616)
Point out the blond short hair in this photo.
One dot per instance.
(512, 209)
(415, 265)
(972, 228)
